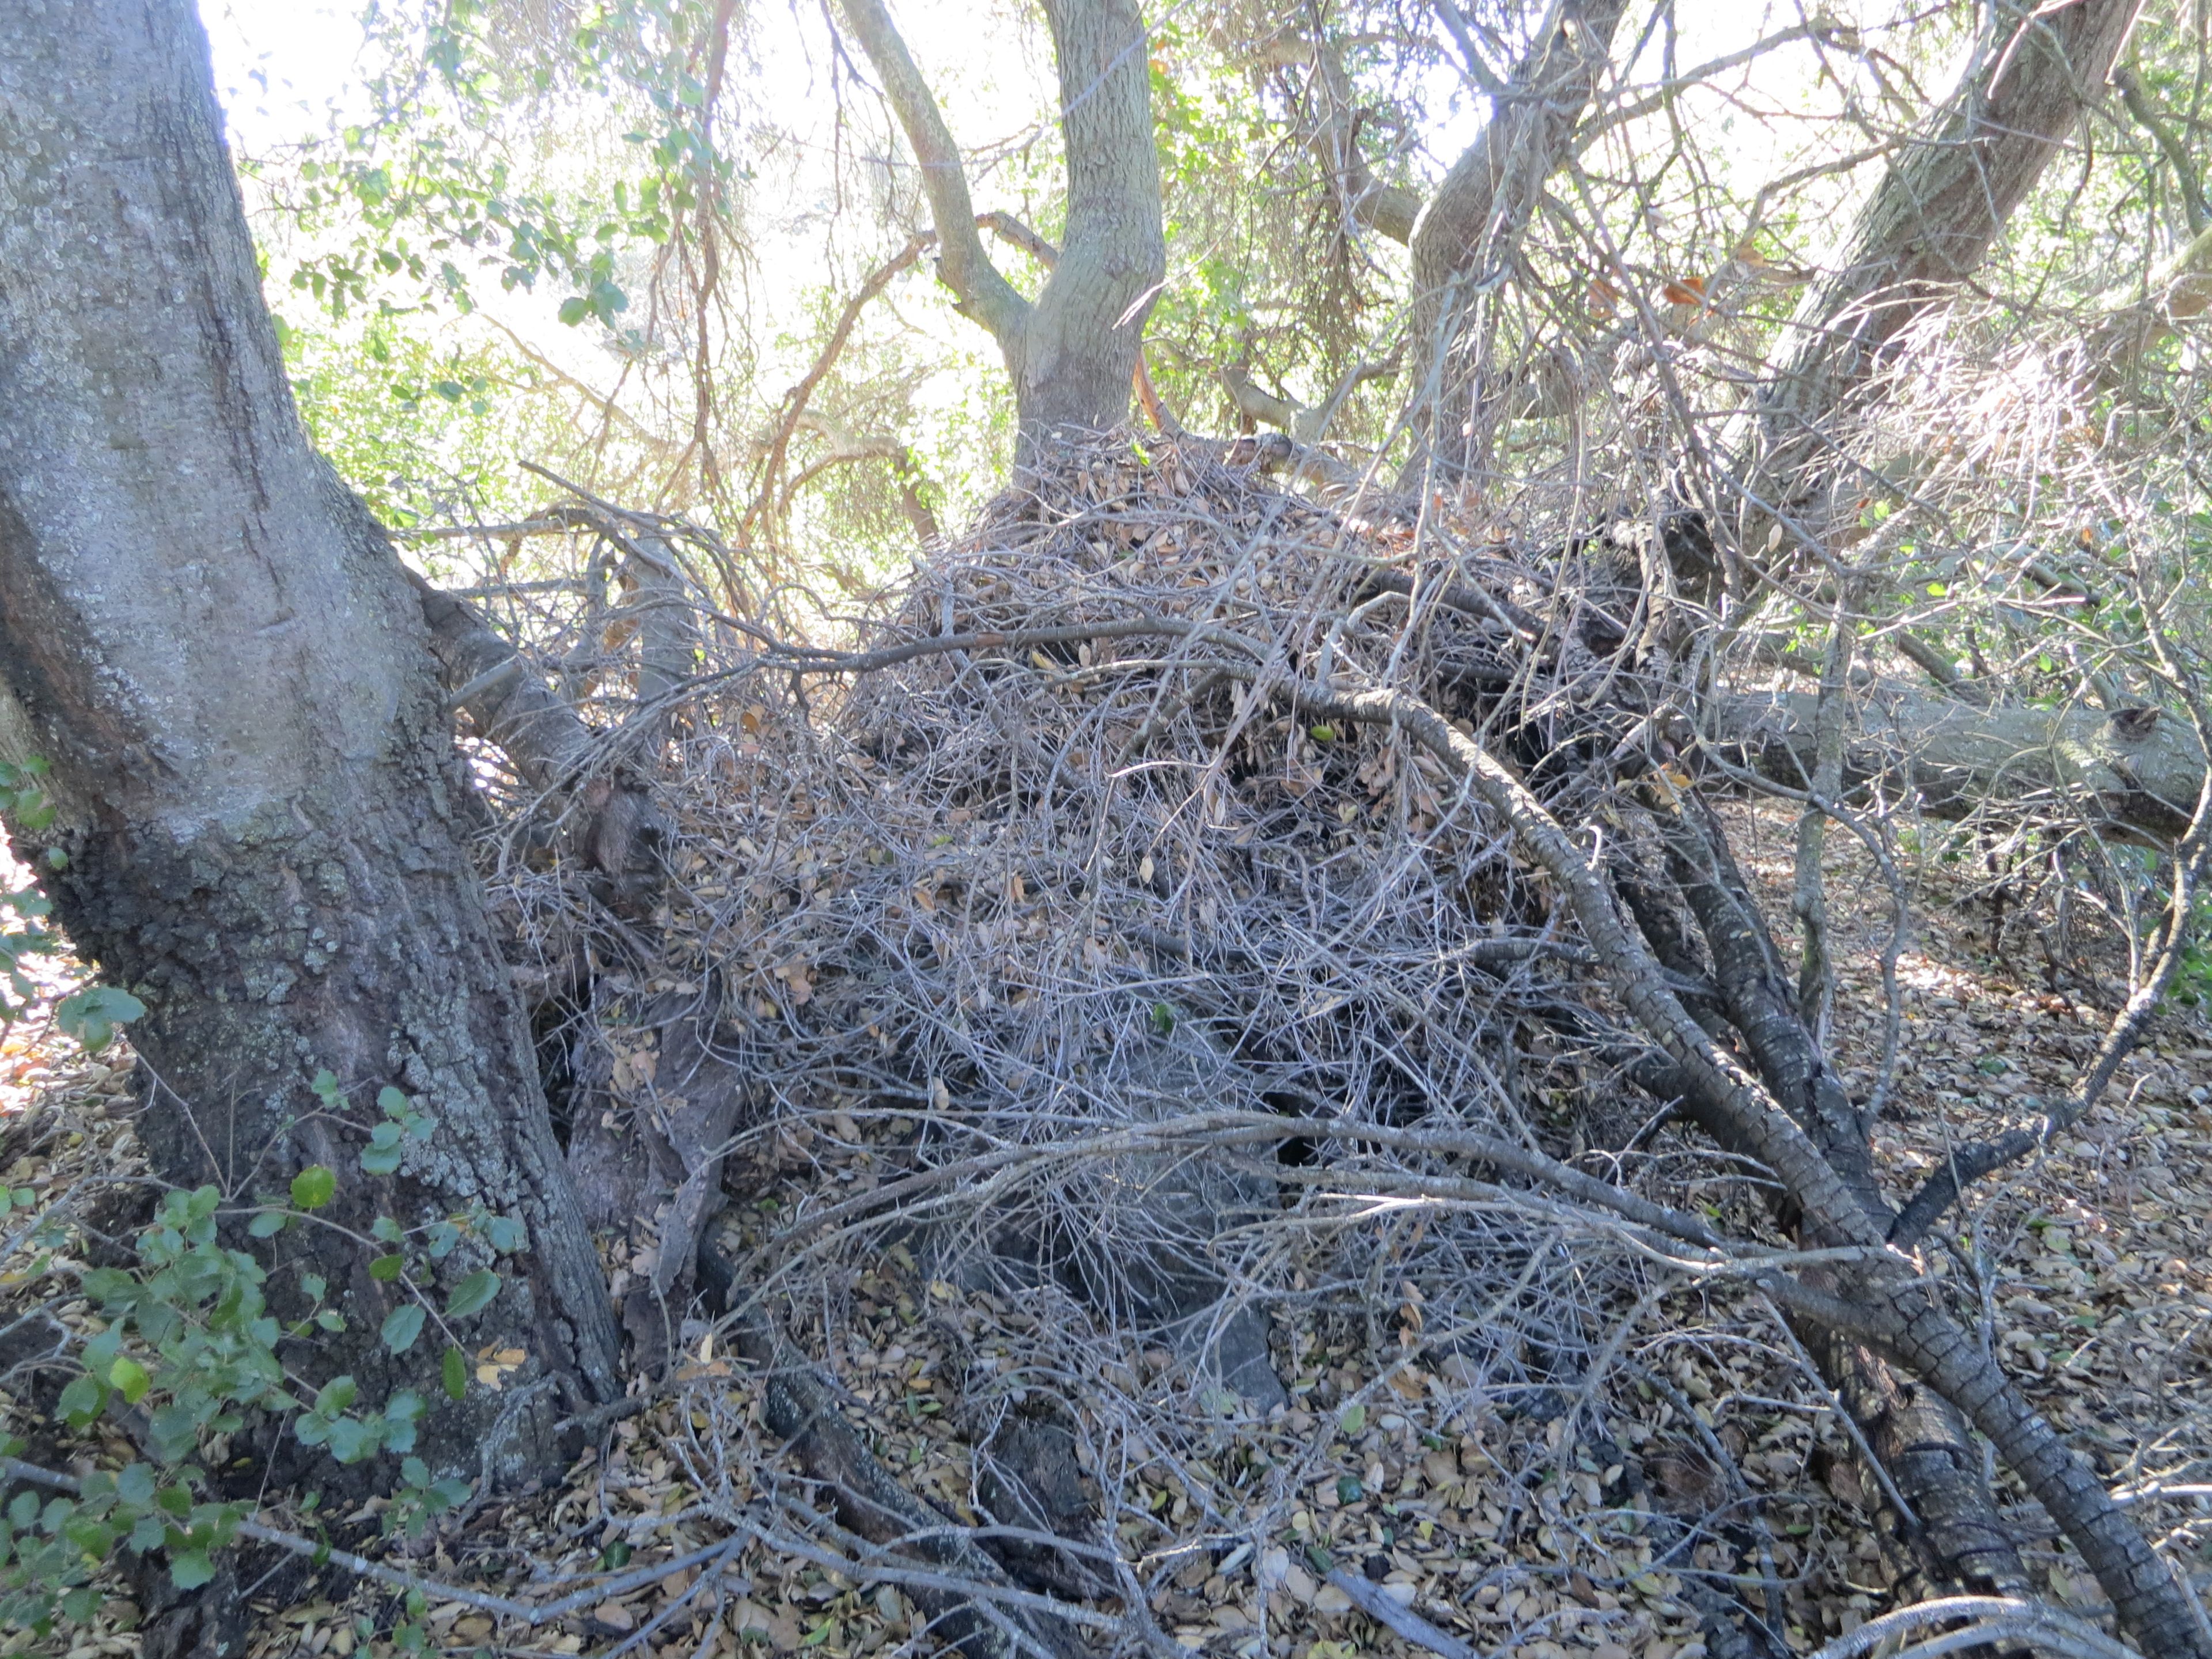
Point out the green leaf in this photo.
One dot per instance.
(91, 1016)
(380, 1160)
(189, 1569)
(455, 1373)
(109, 1285)
(315, 1187)
(401, 1327)
(395, 1103)
(312, 1286)
(134, 1484)
(335, 1395)
(415, 1471)
(267, 1225)
(351, 1440)
(325, 1086)
(472, 1293)
(130, 1379)
(385, 1269)
(82, 1400)
(1353, 1419)
(574, 309)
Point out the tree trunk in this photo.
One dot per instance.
(1072, 353)
(1078, 354)
(2137, 772)
(1930, 224)
(263, 816)
(1474, 222)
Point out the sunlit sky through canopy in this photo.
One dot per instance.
(288, 69)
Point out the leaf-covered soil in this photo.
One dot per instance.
(1712, 1474)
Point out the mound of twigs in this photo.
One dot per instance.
(1192, 906)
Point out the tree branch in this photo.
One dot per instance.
(1306, 424)
(980, 291)
(847, 447)
(1476, 216)
(1388, 210)
(1930, 224)
(795, 405)
(2137, 324)
(2177, 154)
(1011, 231)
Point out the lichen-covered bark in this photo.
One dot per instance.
(217, 651)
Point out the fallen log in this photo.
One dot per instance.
(2133, 771)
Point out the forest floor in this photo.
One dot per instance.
(1381, 1480)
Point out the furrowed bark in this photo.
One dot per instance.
(1951, 1534)
(257, 797)
(1953, 1540)
(1913, 1331)
(1755, 989)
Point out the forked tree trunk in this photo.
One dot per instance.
(1077, 355)
(265, 823)
(1072, 352)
